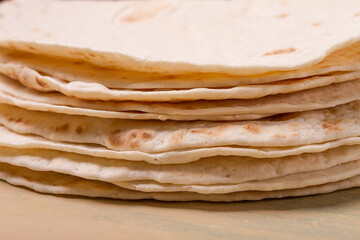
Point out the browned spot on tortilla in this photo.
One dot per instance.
(144, 13)
(211, 132)
(280, 51)
(1, 15)
(357, 14)
(293, 126)
(78, 129)
(10, 119)
(222, 128)
(115, 139)
(279, 136)
(284, 3)
(177, 137)
(316, 24)
(92, 55)
(134, 144)
(18, 121)
(294, 134)
(41, 82)
(201, 131)
(204, 131)
(47, 34)
(132, 139)
(62, 128)
(146, 135)
(35, 29)
(25, 122)
(332, 126)
(284, 15)
(251, 127)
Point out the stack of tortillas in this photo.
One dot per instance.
(180, 100)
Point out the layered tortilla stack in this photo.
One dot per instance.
(180, 100)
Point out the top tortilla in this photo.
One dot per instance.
(236, 37)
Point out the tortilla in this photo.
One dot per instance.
(296, 129)
(56, 183)
(278, 117)
(213, 171)
(298, 34)
(17, 141)
(292, 181)
(324, 97)
(90, 82)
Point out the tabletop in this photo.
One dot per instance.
(25, 214)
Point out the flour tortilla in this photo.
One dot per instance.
(323, 97)
(56, 183)
(292, 181)
(208, 171)
(165, 36)
(14, 140)
(186, 56)
(95, 91)
(296, 129)
(92, 86)
(6, 98)
(21, 63)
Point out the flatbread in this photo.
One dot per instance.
(14, 140)
(292, 181)
(95, 91)
(214, 171)
(56, 183)
(305, 64)
(298, 34)
(26, 98)
(324, 97)
(6, 98)
(90, 82)
(296, 129)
